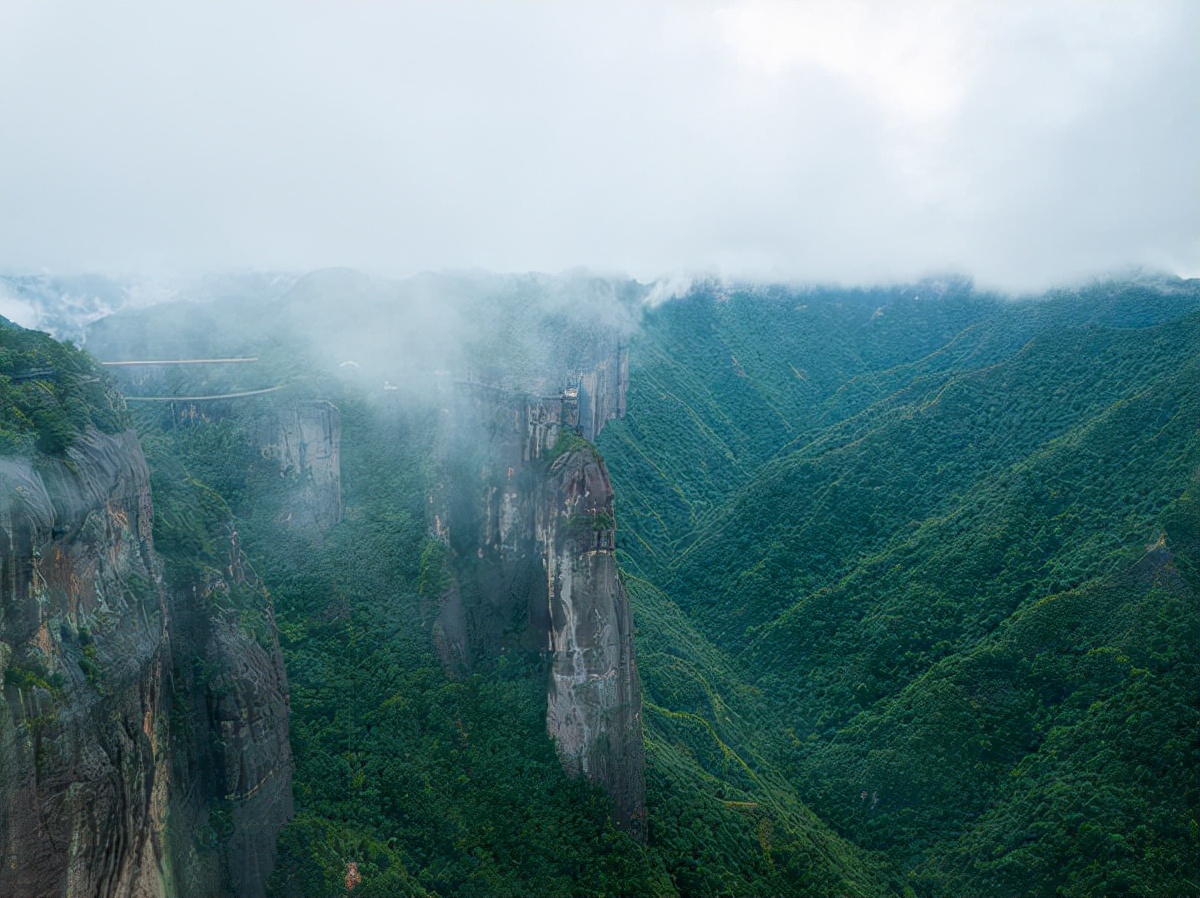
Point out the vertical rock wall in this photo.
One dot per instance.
(527, 511)
(84, 761)
(306, 439)
(594, 699)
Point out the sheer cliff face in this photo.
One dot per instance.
(527, 510)
(232, 765)
(594, 699)
(122, 771)
(83, 648)
(602, 392)
(306, 439)
(252, 758)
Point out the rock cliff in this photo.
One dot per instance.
(601, 392)
(305, 437)
(143, 732)
(232, 764)
(526, 509)
(84, 742)
(594, 700)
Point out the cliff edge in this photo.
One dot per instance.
(594, 699)
(526, 509)
(85, 656)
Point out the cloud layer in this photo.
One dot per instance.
(1020, 143)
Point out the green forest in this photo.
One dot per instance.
(49, 393)
(915, 576)
(932, 562)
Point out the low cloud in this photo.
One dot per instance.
(1022, 143)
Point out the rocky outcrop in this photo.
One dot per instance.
(305, 437)
(594, 699)
(143, 732)
(526, 510)
(84, 739)
(233, 762)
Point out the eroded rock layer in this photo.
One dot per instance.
(526, 509)
(84, 652)
(143, 732)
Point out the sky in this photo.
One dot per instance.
(1022, 144)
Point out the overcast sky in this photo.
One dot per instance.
(1022, 144)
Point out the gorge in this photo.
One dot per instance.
(565, 593)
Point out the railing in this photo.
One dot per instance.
(238, 395)
(136, 362)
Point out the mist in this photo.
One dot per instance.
(1020, 144)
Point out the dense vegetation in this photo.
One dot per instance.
(431, 784)
(49, 393)
(915, 575)
(954, 593)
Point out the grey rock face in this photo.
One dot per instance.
(83, 647)
(306, 439)
(527, 511)
(594, 699)
(122, 771)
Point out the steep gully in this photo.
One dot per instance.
(143, 735)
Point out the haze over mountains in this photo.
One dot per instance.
(1026, 144)
(826, 525)
(855, 530)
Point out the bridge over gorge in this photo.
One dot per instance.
(178, 363)
(240, 394)
(132, 363)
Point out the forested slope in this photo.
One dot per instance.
(944, 576)
(433, 784)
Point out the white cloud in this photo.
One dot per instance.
(18, 311)
(1021, 142)
(910, 60)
